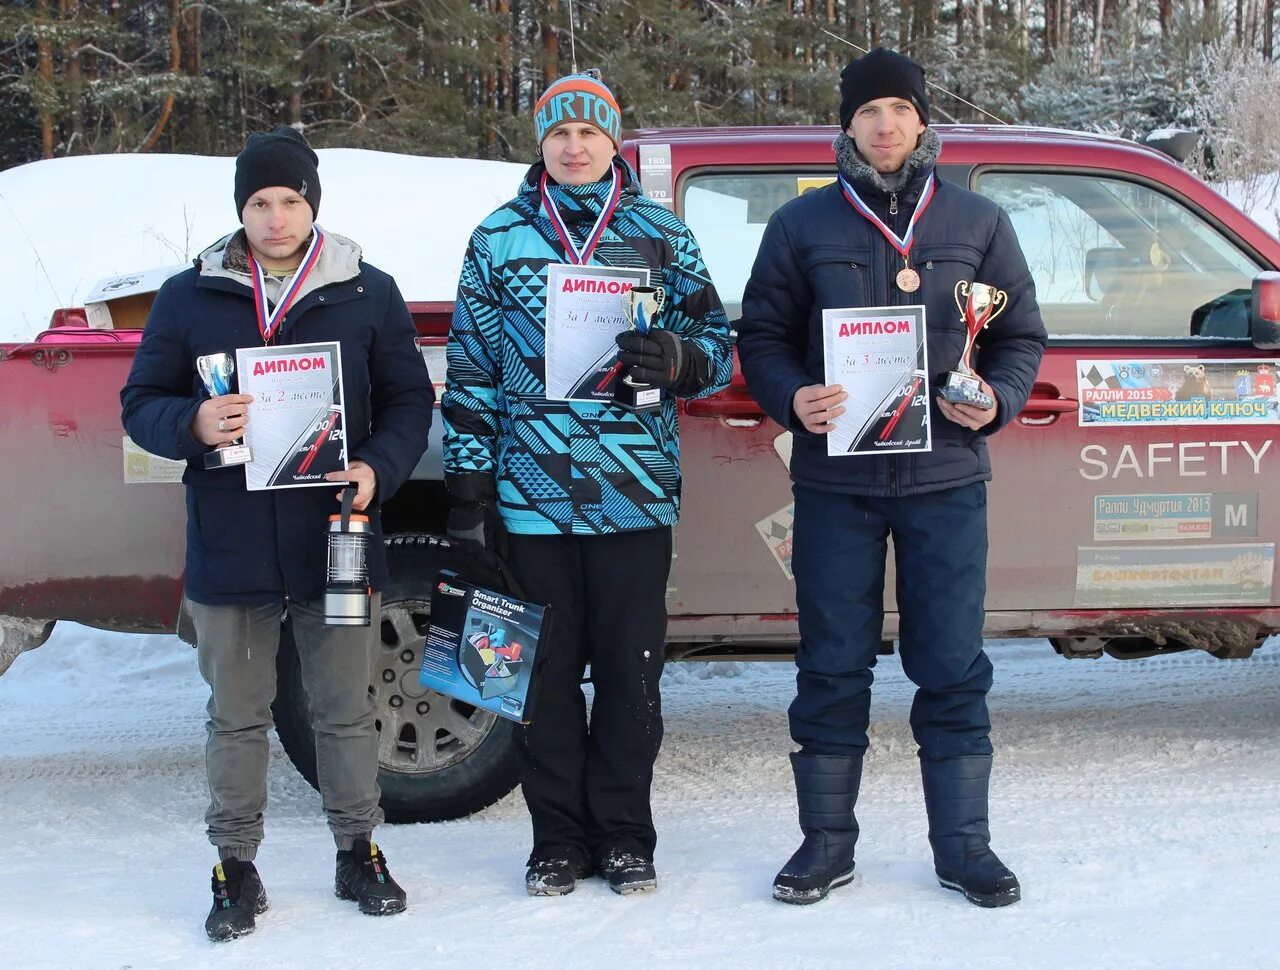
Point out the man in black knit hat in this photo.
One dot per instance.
(255, 555)
(887, 233)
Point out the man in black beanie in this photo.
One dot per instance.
(888, 234)
(281, 280)
(281, 157)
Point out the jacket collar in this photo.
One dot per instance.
(227, 259)
(580, 199)
(907, 181)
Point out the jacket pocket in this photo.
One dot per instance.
(837, 275)
(941, 268)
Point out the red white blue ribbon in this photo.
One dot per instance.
(576, 255)
(269, 320)
(901, 243)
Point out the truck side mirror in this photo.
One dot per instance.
(1264, 312)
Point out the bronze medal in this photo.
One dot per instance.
(908, 280)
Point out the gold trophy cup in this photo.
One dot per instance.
(979, 304)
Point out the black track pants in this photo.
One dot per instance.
(587, 786)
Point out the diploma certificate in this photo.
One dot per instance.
(879, 355)
(586, 309)
(297, 426)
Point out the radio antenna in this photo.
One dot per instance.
(573, 43)
(950, 94)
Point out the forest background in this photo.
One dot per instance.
(459, 77)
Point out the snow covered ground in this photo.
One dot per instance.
(1136, 801)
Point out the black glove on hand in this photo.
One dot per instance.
(657, 357)
(474, 517)
(663, 359)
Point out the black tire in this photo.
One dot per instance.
(470, 762)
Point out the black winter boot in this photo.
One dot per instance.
(955, 797)
(627, 871)
(826, 791)
(554, 874)
(238, 897)
(362, 876)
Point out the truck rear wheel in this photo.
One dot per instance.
(438, 758)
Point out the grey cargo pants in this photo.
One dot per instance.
(237, 648)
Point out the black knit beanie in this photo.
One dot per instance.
(881, 73)
(278, 158)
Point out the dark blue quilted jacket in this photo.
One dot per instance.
(818, 252)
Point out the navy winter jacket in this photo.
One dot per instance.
(257, 547)
(818, 252)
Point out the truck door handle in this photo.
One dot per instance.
(729, 403)
(1046, 399)
(1060, 405)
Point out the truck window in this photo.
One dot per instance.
(728, 213)
(1119, 259)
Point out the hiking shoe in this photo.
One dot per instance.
(554, 875)
(238, 897)
(628, 872)
(362, 876)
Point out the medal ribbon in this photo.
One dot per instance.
(269, 320)
(904, 243)
(579, 256)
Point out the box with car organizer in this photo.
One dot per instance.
(484, 647)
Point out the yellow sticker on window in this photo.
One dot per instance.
(804, 184)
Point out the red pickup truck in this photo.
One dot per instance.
(1135, 501)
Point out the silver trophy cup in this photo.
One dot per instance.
(643, 304)
(216, 373)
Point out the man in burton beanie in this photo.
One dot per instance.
(916, 237)
(581, 99)
(577, 498)
(280, 281)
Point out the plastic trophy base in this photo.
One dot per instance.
(228, 457)
(961, 388)
(347, 607)
(637, 398)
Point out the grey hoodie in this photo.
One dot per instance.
(228, 259)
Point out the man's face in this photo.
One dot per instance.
(277, 223)
(576, 154)
(886, 131)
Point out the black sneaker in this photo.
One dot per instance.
(554, 875)
(628, 872)
(362, 876)
(238, 897)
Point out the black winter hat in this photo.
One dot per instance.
(881, 73)
(277, 158)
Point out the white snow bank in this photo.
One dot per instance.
(69, 222)
(1259, 197)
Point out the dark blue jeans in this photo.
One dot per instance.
(940, 550)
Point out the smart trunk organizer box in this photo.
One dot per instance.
(483, 647)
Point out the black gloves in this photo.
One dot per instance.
(476, 524)
(661, 358)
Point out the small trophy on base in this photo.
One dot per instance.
(643, 304)
(216, 371)
(979, 304)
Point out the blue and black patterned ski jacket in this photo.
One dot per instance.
(561, 467)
